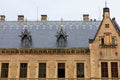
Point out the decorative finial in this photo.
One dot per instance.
(105, 3)
(61, 23)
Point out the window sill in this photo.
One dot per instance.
(108, 46)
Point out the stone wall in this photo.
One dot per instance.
(51, 59)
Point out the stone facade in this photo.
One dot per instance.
(106, 52)
(101, 49)
(51, 57)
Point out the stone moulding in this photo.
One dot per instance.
(29, 51)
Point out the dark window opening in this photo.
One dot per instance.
(104, 69)
(4, 70)
(102, 41)
(80, 70)
(114, 69)
(42, 70)
(23, 70)
(113, 41)
(61, 70)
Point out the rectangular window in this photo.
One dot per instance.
(114, 69)
(4, 70)
(61, 70)
(102, 41)
(23, 70)
(80, 70)
(104, 69)
(113, 41)
(106, 25)
(42, 70)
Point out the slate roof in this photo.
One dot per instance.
(43, 33)
(116, 25)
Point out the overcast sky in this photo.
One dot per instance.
(57, 9)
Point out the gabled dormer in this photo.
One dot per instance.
(26, 39)
(108, 31)
(61, 36)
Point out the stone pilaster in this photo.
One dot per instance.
(51, 69)
(32, 69)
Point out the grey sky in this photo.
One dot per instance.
(57, 9)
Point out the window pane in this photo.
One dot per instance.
(108, 39)
(80, 70)
(61, 70)
(102, 41)
(42, 70)
(23, 70)
(114, 69)
(113, 41)
(104, 69)
(4, 70)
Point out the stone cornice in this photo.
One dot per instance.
(38, 51)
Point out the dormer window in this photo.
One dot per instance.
(106, 25)
(61, 38)
(26, 39)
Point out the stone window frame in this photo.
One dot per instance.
(26, 68)
(110, 39)
(83, 70)
(114, 73)
(85, 67)
(4, 70)
(61, 61)
(104, 74)
(109, 61)
(58, 67)
(100, 40)
(115, 42)
(39, 70)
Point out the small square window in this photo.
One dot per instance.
(106, 25)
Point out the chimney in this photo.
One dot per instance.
(106, 13)
(85, 17)
(2, 19)
(43, 17)
(20, 18)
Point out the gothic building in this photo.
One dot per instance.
(65, 50)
